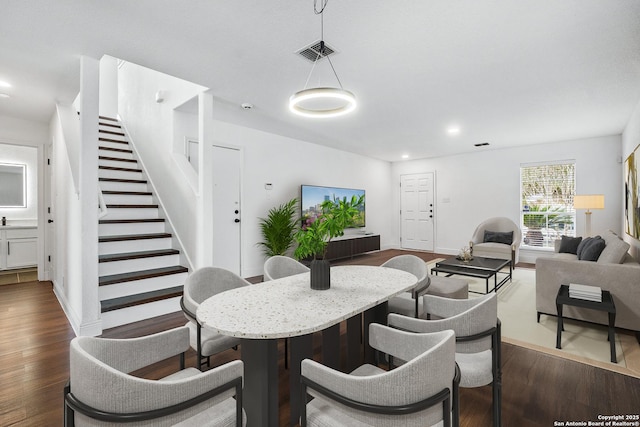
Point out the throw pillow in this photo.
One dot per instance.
(505, 237)
(615, 250)
(592, 249)
(569, 245)
(585, 242)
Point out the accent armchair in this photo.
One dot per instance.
(278, 266)
(200, 285)
(421, 392)
(410, 303)
(497, 237)
(101, 391)
(477, 328)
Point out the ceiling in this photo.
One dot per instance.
(505, 72)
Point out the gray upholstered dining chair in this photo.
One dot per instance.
(200, 285)
(278, 266)
(477, 328)
(410, 303)
(497, 237)
(421, 392)
(101, 391)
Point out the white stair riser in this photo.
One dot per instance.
(117, 163)
(126, 246)
(106, 173)
(131, 213)
(122, 186)
(127, 199)
(130, 228)
(115, 318)
(129, 265)
(112, 144)
(124, 289)
(116, 154)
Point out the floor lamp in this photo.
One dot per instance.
(588, 201)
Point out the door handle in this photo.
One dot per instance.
(49, 221)
(8, 248)
(430, 216)
(236, 220)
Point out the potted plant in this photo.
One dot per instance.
(315, 234)
(279, 228)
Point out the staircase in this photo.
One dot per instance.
(140, 272)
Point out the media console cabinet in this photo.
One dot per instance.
(350, 245)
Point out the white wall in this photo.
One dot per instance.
(475, 186)
(287, 163)
(284, 162)
(75, 254)
(26, 155)
(630, 140)
(23, 132)
(150, 127)
(108, 102)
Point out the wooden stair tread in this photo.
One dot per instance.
(110, 132)
(129, 193)
(117, 159)
(109, 124)
(119, 150)
(107, 118)
(121, 206)
(130, 181)
(113, 168)
(113, 140)
(137, 255)
(126, 237)
(140, 275)
(138, 299)
(129, 221)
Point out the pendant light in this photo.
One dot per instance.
(322, 102)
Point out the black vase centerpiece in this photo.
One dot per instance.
(320, 275)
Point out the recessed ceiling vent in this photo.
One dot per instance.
(481, 144)
(312, 51)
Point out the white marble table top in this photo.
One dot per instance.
(288, 307)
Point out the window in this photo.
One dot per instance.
(546, 202)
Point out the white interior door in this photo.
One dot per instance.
(226, 208)
(50, 229)
(417, 211)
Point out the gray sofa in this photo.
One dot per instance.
(615, 271)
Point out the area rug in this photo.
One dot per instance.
(581, 341)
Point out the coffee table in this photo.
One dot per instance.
(484, 268)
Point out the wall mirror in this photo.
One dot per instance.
(13, 188)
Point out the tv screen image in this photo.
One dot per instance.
(312, 196)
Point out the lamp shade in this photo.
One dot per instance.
(588, 201)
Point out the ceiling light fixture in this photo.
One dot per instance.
(405, 156)
(4, 84)
(322, 102)
(453, 130)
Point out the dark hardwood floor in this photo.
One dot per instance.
(538, 389)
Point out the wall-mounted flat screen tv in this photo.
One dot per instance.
(311, 196)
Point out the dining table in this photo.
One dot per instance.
(262, 313)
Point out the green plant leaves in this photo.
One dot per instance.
(336, 215)
(278, 228)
